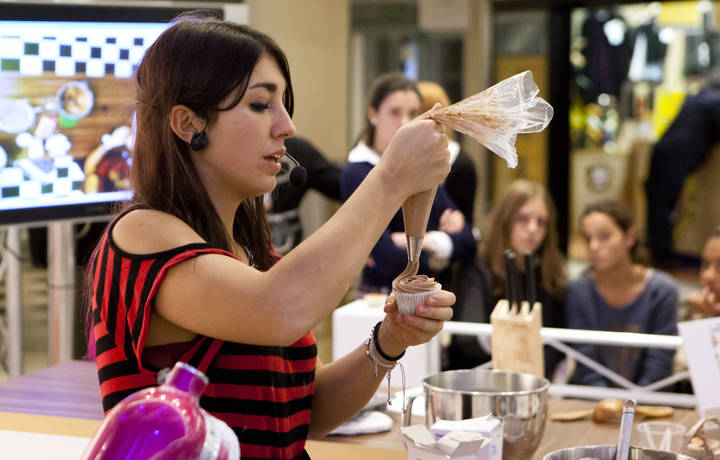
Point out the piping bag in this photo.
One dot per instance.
(493, 117)
(496, 116)
(416, 211)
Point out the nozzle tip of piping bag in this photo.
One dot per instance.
(414, 247)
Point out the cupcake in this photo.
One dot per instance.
(411, 291)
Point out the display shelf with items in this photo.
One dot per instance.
(634, 67)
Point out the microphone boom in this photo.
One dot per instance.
(298, 174)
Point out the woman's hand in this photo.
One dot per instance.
(399, 331)
(704, 302)
(417, 158)
(451, 221)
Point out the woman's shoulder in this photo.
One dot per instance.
(148, 231)
(581, 290)
(660, 281)
(582, 282)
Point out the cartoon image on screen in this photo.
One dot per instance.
(66, 108)
(67, 102)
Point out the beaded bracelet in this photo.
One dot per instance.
(376, 341)
(370, 349)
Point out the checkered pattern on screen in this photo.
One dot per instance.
(90, 51)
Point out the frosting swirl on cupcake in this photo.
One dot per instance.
(414, 284)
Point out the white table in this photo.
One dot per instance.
(352, 325)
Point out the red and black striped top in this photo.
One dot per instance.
(263, 393)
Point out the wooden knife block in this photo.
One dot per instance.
(515, 340)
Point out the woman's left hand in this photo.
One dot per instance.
(399, 331)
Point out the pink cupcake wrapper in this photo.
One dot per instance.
(407, 302)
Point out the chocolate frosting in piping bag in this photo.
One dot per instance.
(416, 211)
(494, 118)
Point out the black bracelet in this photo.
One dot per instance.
(376, 329)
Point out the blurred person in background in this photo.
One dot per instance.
(395, 100)
(283, 203)
(619, 292)
(522, 219)
(706, 301)
(681, 150)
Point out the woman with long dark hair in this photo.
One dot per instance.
(187, 272)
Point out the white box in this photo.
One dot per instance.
(352, 325)
(456, 445)
(489, 426)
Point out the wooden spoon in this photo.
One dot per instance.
(609, 409)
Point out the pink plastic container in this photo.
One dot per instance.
(164, 423)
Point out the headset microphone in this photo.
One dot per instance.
(298, 174)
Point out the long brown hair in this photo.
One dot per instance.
(198, 62)
(496, 238)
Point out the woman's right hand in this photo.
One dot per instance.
(704, 302)
(417, 158)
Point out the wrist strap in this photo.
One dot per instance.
(376, 342)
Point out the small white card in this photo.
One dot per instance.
(702, 347)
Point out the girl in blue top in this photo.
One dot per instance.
(620, 293)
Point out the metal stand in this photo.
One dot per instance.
(557, 338)
(13, 296)
(61, 291)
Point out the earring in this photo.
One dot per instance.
(199, 140)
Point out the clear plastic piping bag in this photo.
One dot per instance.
(494, 117)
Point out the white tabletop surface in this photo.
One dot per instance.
(20, 445)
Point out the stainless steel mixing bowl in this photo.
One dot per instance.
(520, 400)
(608, 453)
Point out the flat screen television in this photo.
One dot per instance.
(67, 105)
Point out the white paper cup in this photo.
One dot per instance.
(407, 302)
